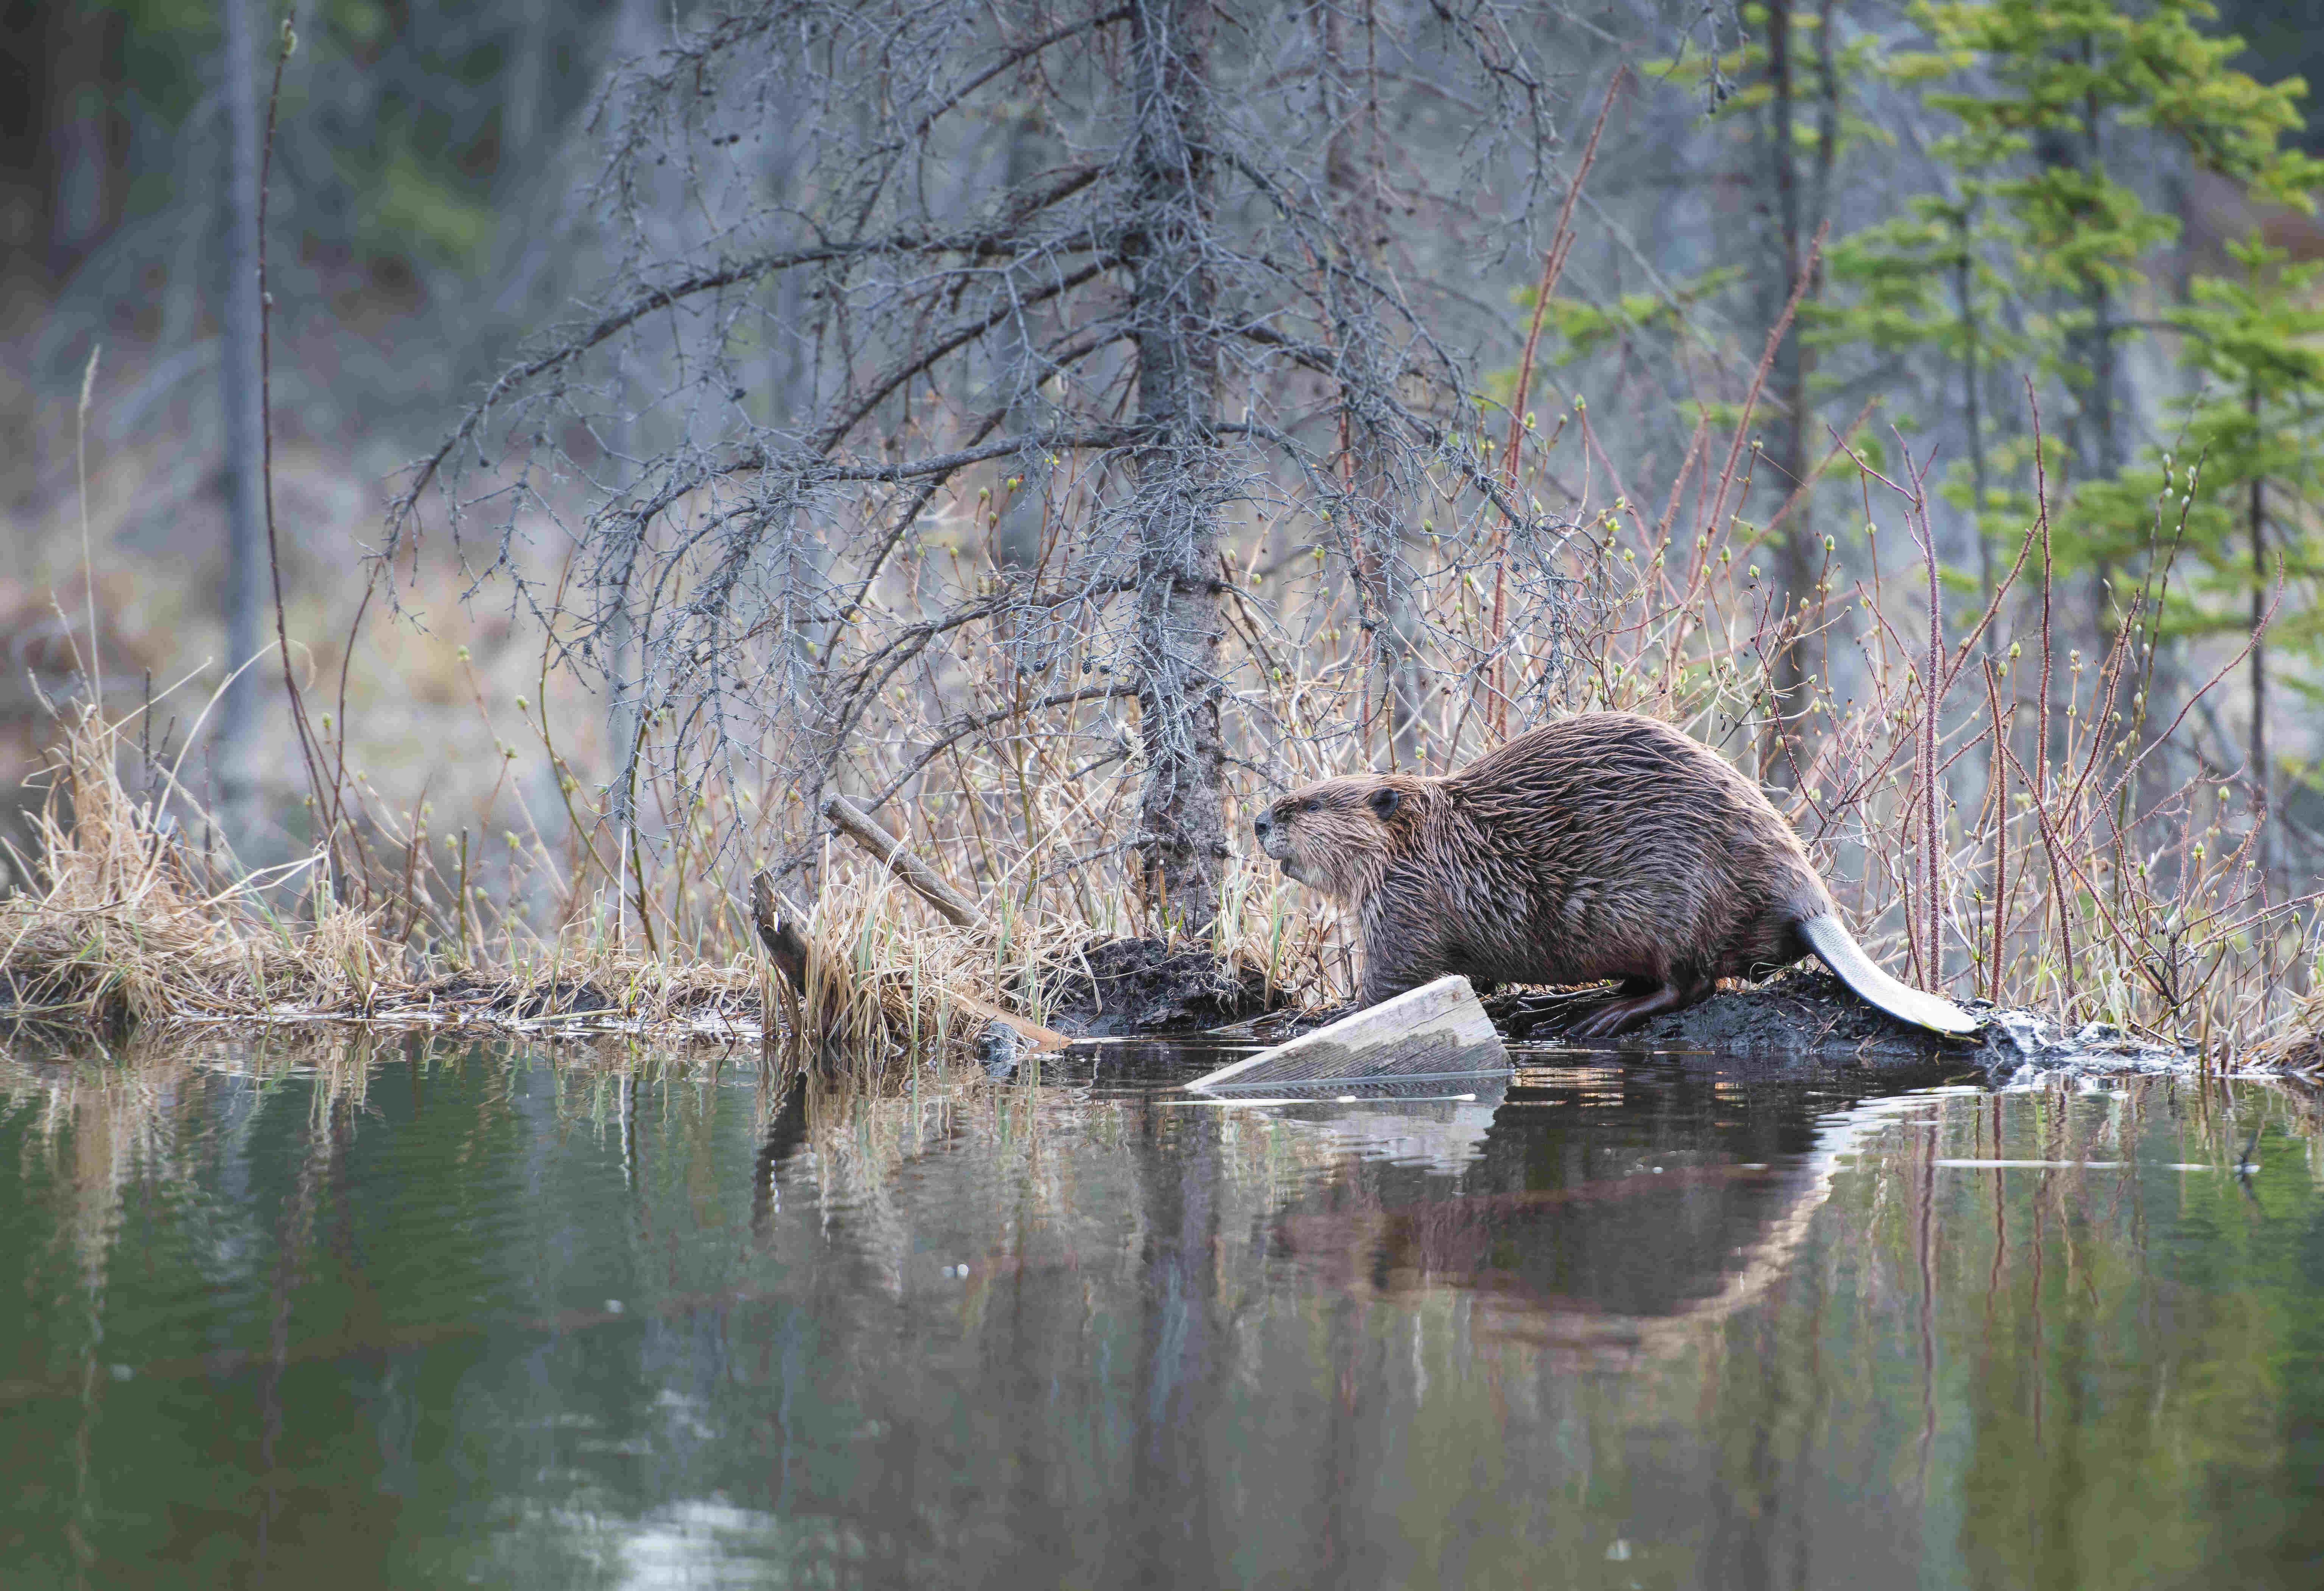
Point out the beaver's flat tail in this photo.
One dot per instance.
(1837, 949)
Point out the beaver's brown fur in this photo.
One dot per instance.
(1603, 846)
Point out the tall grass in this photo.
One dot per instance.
(132, 912)
(125, 921)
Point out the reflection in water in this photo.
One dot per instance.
(447, 1316)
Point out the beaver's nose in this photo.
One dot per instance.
(1261, 823)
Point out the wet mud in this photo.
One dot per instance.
(1140, 985)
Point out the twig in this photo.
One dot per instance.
(290, 41)
(88, 559)
(1759, 376)
(2000, 828)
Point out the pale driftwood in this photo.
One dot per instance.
(857, 825)
(1437, 1030)
(786, 947)
(1032, 1033)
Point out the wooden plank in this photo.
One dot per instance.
(1436, 1030)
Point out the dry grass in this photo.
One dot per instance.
(1991, 809)
(125, 924)
(129, 927)
(2296, 1044)
(128, 924)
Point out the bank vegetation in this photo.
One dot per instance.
(1154, 406)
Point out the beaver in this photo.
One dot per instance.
(1607, 845)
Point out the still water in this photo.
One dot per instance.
(444, 1316)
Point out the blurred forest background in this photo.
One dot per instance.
(1913, 227)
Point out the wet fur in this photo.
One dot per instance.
(1604, 846)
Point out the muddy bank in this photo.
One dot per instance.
(1809, 1012)
(541, 1009)
(1148, 986)
(464, 996)
(1802, 1015)
(1805, 1014)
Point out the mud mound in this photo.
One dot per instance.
(1128, 985)
(1800, 1012)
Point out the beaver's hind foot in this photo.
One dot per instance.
(1618, 1017)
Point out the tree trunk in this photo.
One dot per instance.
(1181, 843)
(522, 115)
(1797, 548)
(1379, 537)
(1973, 411)
(2263, 803)
(2101, 399)
(239, 396)
(2098, 441)
(1016, 540)
(75, 72)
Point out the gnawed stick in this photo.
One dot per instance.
(1031, 1032)
(857, 825)
(786, 947)
(785, 943)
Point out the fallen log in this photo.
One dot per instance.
(1027, 1031)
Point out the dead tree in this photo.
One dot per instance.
(1129, 330)
(1181, 828)
(1379, 539)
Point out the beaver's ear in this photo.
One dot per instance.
(1384, 801)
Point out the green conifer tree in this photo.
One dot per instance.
(2039, 257)
(2238, 492)
(2053, 103)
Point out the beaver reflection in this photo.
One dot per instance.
(1570, 1242)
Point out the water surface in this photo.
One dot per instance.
(465, 1315)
